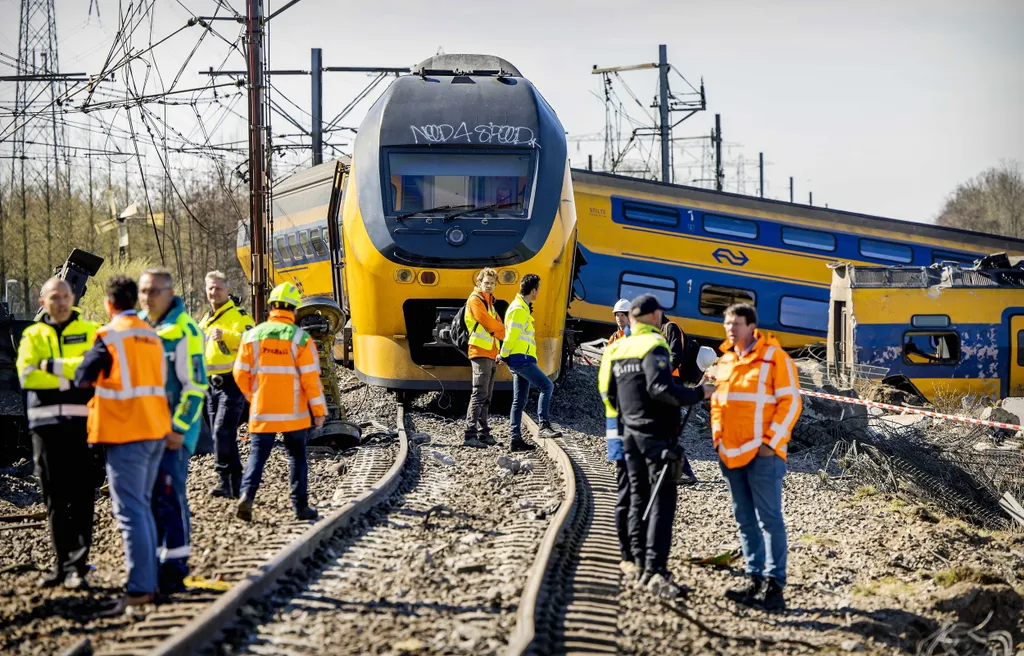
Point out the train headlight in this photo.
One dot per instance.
(507, 276)
(404, 275)
(428, 277)
(456, 237)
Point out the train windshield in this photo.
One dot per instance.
(498, 183)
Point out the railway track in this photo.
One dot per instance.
(570, 602)
(195, 621)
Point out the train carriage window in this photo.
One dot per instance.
(644, 213)
(929, 321)
(293, 245)
(804, 313)
(963, 259)
(319, 245)
(1020, 348)
(282, 248)
(326, 237)
(724, 225)
(884, 250)
(307, 248)
(815, 239)
(932, 347)
(632, 285)
(715, 298)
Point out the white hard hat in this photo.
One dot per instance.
(622, 305)
(706, 357)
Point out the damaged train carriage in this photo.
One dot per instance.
(951, 331)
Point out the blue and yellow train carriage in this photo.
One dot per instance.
(700, 250)
(952, 331)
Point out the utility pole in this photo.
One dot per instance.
(716, 138)
(810, 198)
(760, 168)
(258, 183)
(791, 189)
(316, 70)
(663, 109)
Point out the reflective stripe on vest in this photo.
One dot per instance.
(760, 399)
(114, 340)
(59, 410)
(478, 335)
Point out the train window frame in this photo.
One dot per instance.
(647, 288)
(705, 286)
(293, 246)
(651, 209)
(282, 248)
(938, 257)
(326, 235)
(1020, 348)
(316, 237)
(808, 244)
(951, 360)
(819, 329)
(878, 255)
(726, 232)
(305, 243)
(531, 183)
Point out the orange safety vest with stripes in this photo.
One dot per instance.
(130, 403)
(278, 370)
(756, 401)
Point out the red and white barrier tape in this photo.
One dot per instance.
(912, 411)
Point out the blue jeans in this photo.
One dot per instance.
(262, 444)
(131, 472)
(170, 509)
(522, 378)
(756, 490)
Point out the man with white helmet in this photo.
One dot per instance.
(621, 314)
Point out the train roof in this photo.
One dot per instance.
(981, 240)
(993, 272)
(308, 177)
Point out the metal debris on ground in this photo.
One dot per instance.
(960, 639)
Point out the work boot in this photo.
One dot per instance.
(76, 581)
(487, 440)
(306, 513)
(769, 597)
(51, 580)
(518, 444)
(748, 594)
(660, 585)
(473, 443)
(547, 432)
(244, 510)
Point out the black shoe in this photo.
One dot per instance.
(473, 443)
(243, 510)
(546, 432)
(306, 513)
(221, 491)
(488, 440)
(52, 580)
(748, 594)
(770, 596)
(519, 444)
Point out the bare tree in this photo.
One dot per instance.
(993, 203)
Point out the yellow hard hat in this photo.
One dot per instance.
(287, 294)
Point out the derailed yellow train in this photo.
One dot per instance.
(461, 165)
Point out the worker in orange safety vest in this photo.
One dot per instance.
(753, 411)
(278, 371)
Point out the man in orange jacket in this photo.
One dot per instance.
(753, 411)
(129, 415)
(486, 330)
(278, 371)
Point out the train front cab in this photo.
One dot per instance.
(435, 140)
(953, 332)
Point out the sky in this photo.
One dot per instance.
(875, 107)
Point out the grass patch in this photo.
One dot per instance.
(887, 586)
(897, 505)
(962, 573)
(811, 538)
(864, 491)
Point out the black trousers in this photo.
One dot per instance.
(224, 410)
(66, 467)
(650, 540)
(622, 510)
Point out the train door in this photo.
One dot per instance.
(1016, 385)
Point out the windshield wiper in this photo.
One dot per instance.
(481, 208)
(439, 208)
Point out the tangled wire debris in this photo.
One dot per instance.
(959, 639)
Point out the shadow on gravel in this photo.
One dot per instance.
(397, 607)
(890, 626)
(79, 609)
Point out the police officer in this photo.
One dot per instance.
(186, 389)
(224, 325)
(50, 351)
(129, 416)
(637, 387)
